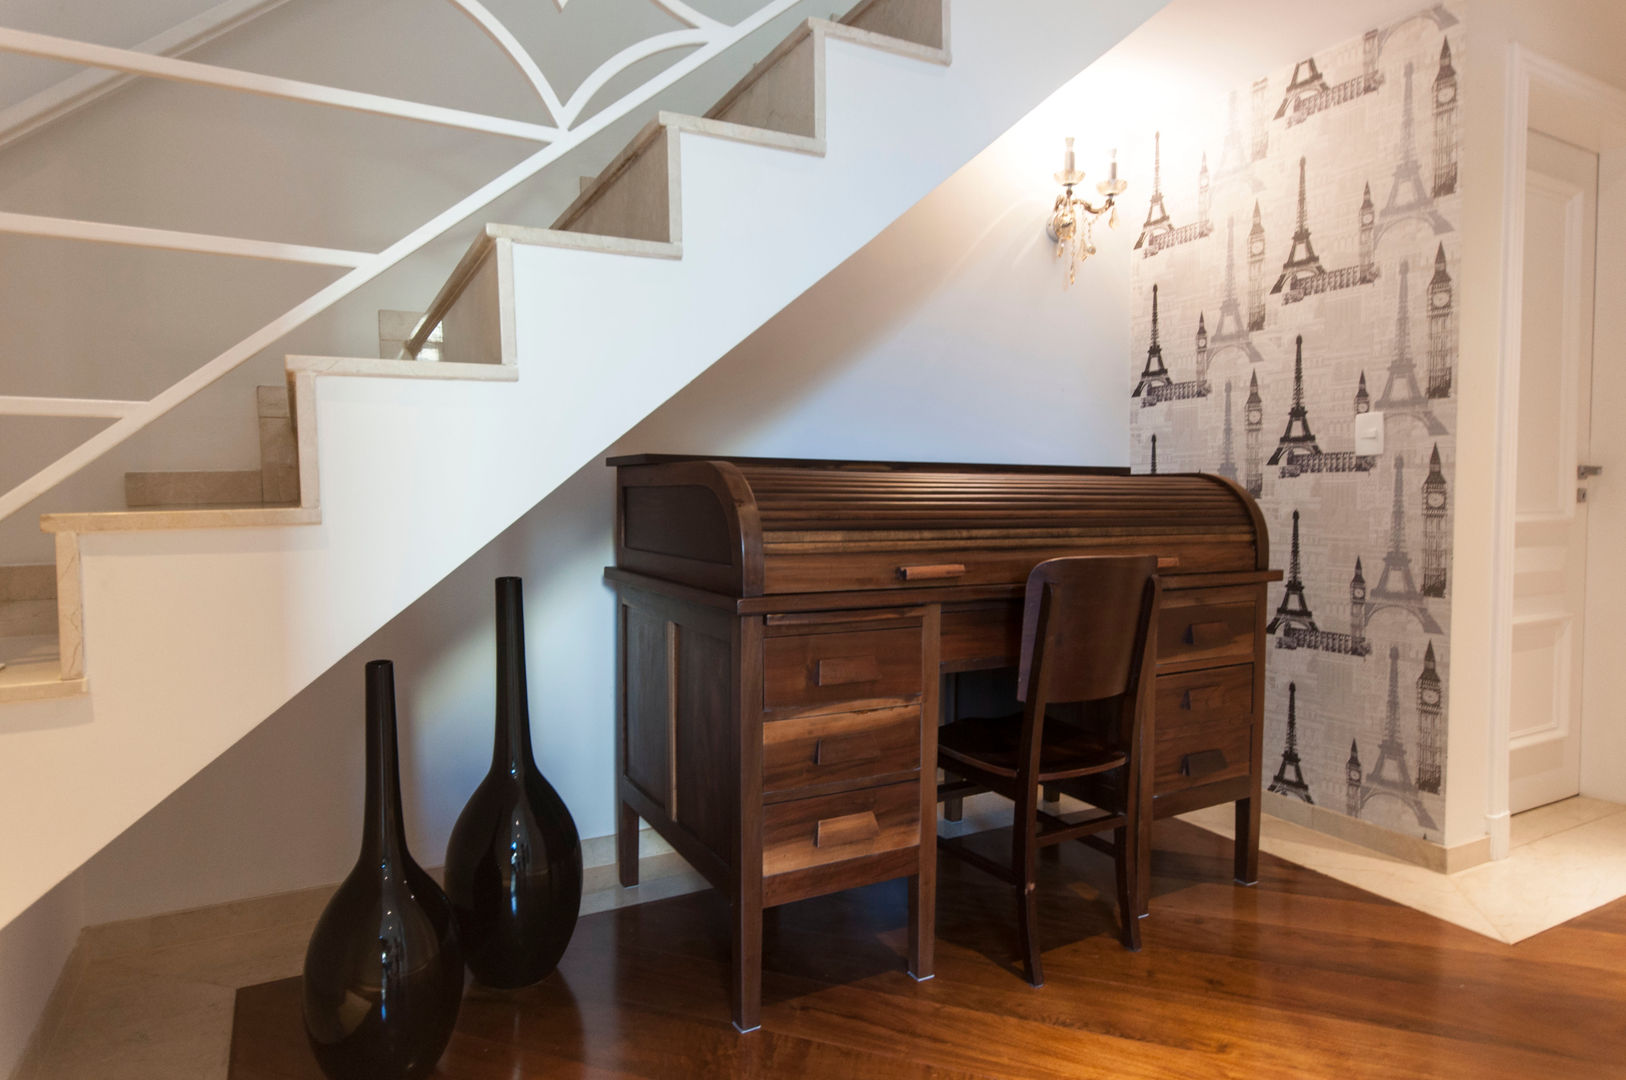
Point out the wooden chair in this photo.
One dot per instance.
(1087, 636)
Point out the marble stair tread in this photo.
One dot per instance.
(31, 670)
(212, 517)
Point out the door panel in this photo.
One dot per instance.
(1550, 556)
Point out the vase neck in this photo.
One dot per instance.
(383, 840)
(511, 752)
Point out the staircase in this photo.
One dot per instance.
(182, 628)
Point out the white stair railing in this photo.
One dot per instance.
(706, 36)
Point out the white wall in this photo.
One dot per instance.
(33, 949)
(1587, 35)
(949, 337)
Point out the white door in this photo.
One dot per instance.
(1550, 532)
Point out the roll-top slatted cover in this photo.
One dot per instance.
(749, 527)
(832, 500)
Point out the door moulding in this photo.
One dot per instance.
(1605, 106)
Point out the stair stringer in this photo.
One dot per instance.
(193, 636)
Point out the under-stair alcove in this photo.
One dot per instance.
(830, 248)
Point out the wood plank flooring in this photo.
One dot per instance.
(1300, 977)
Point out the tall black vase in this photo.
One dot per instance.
(384, 971)
(514, 862)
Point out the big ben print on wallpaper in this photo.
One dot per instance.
(1306, 278)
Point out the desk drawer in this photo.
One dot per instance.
(804, 833)
(813, 669)
(826, 748)
(1204, 727)
(1212, 628)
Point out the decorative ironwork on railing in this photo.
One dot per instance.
(569, 128)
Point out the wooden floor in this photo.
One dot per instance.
(1300, 977)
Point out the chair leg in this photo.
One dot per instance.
(1125, 859)
(1025, 862)
(1027, 918)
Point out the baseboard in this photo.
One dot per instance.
(1410, 849)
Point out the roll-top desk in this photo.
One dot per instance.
(783, 627)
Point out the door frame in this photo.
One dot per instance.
(1553, 86)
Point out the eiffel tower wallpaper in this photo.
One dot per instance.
(1333, 187)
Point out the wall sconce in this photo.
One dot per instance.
(1074, 218)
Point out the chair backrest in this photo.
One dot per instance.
(1084, 626)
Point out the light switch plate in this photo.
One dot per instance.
(1369, 434)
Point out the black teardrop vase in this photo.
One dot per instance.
(514, 861)
(384, 971)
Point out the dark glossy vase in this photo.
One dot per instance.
(384, 971)
(514, 861)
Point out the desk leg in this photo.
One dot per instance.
(1247, 841)
(626, 844)
(923, 883)
(747, 927)
(922, 925)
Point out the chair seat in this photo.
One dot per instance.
(994, 744)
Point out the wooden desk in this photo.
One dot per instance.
(783, 627)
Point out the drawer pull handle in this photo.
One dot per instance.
(1202, 763)
(1167, 562)
(836, 750)
(847, 829)
(1196, 696)
(1207, 635)
(930, 573)
(841, 670)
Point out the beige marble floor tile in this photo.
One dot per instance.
(1551, 880)
(1382, 875)
(238, 960)
(1555, 817)
(126, 1024)
(205, 925)
(156, 996)
(660, 878)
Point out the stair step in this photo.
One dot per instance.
(279, 449)
(781, 92)
(143, 490)
(274, 483)
(924, 22)
(395, 329)
(28, 600)
(635, 196)
(779, 103)
(31, 670)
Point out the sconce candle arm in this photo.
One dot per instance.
(1073, 217)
